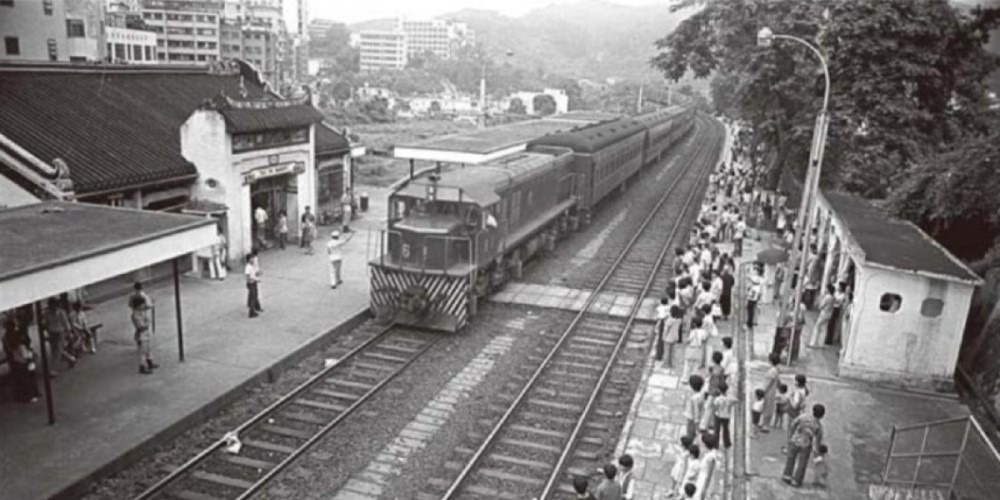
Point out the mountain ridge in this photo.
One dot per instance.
(591, 39)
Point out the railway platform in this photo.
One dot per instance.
(857, 427)
(108, 414)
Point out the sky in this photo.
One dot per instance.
(351, 12)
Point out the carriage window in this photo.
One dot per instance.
(399, 209)
(931, 308)
(890, 302)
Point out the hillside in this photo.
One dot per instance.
(590, 39)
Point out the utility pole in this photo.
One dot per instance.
(638, 104)
(482, 95)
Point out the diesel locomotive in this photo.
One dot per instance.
(454, 237)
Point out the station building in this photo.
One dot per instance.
(907, 297)
(206, 140)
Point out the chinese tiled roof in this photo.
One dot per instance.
(329, 141)
(117, 127)
(893, 242)
(274, 115)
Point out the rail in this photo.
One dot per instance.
(550, 484)
(251, 488)
(479, 453)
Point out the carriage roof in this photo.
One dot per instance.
(480, 184)
(593, 138)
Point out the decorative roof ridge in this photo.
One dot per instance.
(266, 103)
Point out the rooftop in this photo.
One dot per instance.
(329, 141)
(115, 126)
(482, 182)
(62, 232)
(594, 137)
(258, 116)
(895, 243)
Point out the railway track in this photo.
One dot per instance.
(562, 404)
(274, 438)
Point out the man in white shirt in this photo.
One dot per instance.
(252, 273)
(260, 217)
(334, 251)
(738, 232)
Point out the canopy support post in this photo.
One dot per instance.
(46, 378)
(177, 310)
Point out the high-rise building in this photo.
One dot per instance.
(441, 37)
(52, 30)
(383, 50)
(187, 30)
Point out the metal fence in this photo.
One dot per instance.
(954, 456)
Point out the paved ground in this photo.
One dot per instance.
(104, 408)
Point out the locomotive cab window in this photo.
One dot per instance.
(890, 302)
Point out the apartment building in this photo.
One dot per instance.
(187, 30)
(441, 37)
(52, 30)
(383, 50)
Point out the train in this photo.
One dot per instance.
(455, 237)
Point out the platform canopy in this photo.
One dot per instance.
(480, 146)
(49, 248)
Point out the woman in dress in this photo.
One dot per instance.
(694, 354)
(671, 333)
(771, 381)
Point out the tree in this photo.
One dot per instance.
(907, 79)
(516, 107)
(953, 194)
(544, 104)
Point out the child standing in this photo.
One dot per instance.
(820, 470)
(756, 409)
(780, 407)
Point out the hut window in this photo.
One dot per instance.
(890, 302)
(931, 308)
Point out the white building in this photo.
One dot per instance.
(438, 36)
(243, 163)
(908, 298)
(383, 50)
(132, 46)
(52, 30)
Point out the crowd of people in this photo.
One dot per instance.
(68, 337)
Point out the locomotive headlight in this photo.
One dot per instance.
(431, 192)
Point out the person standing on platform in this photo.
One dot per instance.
(726, 297)
(805, 435)
(347, 209)
(21, 359)
(260, 218)
(739, 232)
(582, 487)
(220, 256)
(833, 326)
(771, 381)
(282, 229)
(823, 320)
(753, 296)
(302, 226)
(609, 489)
(308, 231)
(81, 327)
(142, 311)
(334, 249)
(625, 479)
(58, 328)
(252, 273)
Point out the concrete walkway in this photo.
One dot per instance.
(105, 409)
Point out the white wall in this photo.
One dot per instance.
(905, 346)
(27, 21)
(205, 143)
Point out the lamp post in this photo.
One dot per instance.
(482, 90)
(806, 218)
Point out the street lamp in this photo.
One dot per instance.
(482, 90)
(806, 218)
